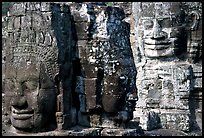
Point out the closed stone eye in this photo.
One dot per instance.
(29, 85)
(148, 24)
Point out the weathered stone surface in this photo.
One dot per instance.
(34, 60)
(166, 77)
(105, 59)
(75, 131)
(85, 56)
(165, 132)
(179, 120)
(81, 29)
(90, 91)
(121, 132)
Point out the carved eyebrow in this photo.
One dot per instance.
(36, 78)
(30, 78)
(147, 18)
(158, 17)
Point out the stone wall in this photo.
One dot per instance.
(105, 79)
(107, 66)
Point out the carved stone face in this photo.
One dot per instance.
(160, 28)
(33, 99)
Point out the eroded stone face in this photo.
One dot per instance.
(160, 28)
(30, 70)
(33, 99)
(165, 32)
(107, 84)
(100, 90)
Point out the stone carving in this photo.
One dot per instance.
(164, 78)
(107, 68)
(79, 69)
(30, 79)
(33, 79)
(194, 11)
(159, 31)
(58, 78)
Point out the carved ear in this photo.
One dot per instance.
(194, 15)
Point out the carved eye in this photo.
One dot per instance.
(174, 33)
(179, 20)
(30, 85)
(165, 23)
(148, 24)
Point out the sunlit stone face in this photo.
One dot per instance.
(160, 29)
(34, 96)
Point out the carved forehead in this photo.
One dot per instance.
(24, 54)
(27, 58)
(24, 71)
(152, 9)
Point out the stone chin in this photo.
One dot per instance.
(22, 124)
(25, 122)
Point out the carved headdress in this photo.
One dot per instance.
(31, 40)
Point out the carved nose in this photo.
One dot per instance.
(19, 102)
(157, 32)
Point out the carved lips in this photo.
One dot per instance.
(155, 44)
(158, 48)
(21, 114)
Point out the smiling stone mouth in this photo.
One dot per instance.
(156, 42)
(157, 45)
(22, 114)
